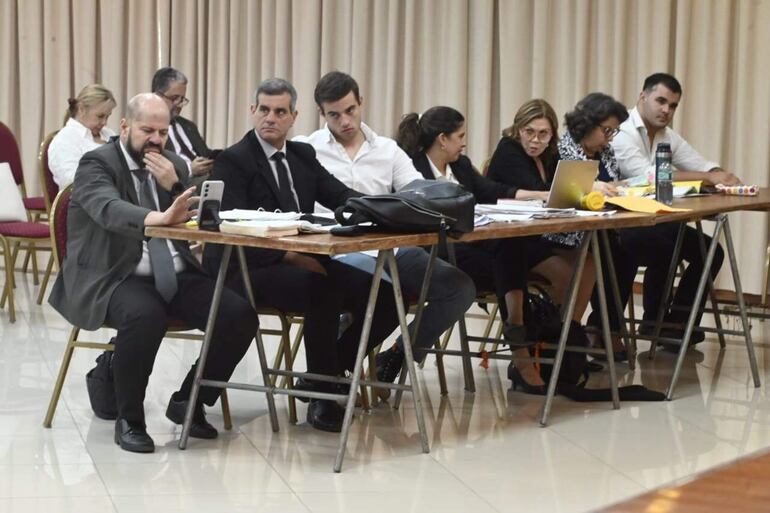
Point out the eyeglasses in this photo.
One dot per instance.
(609, 132)
(176, 99)
(540, 135)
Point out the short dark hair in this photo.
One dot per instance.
(276, 87)
(590, 112)
(334, 86)
(662, 78)
(164, 77)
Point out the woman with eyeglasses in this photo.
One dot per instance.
(84, 130)
(525, 159)
(435, 141)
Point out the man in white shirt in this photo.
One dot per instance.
(648, 125)
(184, 138)
(373, 164)
(635, 145)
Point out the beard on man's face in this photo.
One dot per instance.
(138, 153)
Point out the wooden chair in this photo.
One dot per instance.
(58, 234)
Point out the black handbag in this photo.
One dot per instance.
(101, 387)
(419, 207)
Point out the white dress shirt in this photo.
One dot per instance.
(449, 177)
(271, 150)
(636, 156)
(144, 267)
(379, 167)
(174, 129)
(68, 146)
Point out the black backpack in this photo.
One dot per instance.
(101, 387)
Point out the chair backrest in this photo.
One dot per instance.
(50, 189)
(9, 152)
(58, 224)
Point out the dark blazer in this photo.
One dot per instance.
(193, 134)
(511, 165)
(250, 184)
(105, 230)
(484, 189)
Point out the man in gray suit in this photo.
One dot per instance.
(112, 275)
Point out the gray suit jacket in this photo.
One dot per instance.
(105, 230)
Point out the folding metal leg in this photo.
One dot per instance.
(712, 294)
(257, 338)
(721, 219)
(570, 309)
(470, 384)
(667, 290)
(619, 309)
(193, 399)
(363, 344)
(596, 252)
(417, 317)
(741, 302)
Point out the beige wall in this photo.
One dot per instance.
(484, 57)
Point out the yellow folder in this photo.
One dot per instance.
(643, 205)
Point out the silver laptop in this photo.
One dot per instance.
(572, 180)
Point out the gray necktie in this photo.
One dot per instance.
(160, 257)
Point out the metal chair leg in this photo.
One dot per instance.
(63, 368)
(226, 410)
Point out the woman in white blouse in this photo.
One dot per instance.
(84, 130)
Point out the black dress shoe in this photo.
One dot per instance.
(325, 415)
(306, 385)
(133, 437)
(518, 381)
(200, 427)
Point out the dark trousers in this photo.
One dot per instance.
(653, 247)
(322, 298)
(140, 316)
(495, 265)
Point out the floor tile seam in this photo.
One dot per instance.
(463, 483)
(271, 466)
(596, 457)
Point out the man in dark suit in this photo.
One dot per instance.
(265, 170)
(184, 138)
(113, 276)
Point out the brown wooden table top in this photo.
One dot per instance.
(327, 244)
(738, 486)
(704, 206)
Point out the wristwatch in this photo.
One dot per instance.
(177, 189)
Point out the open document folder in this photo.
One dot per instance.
(508, 211)
(261, 223)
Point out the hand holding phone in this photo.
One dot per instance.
(210, 202)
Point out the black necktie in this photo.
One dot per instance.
(187, 152)
(285, 195)
(160, 256)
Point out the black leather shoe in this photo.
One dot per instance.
(200, 427)
(133, 437)
(325, 415)
(518, 381)
(319, 386)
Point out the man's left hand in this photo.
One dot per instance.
(720, 176)
(162, 169)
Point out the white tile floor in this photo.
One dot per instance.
(487, 452)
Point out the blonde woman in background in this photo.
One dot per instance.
(84, 130)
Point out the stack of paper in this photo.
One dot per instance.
(261, 228)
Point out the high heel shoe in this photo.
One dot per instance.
(518, 381)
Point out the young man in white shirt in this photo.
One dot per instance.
(373, 164)
(635, 145)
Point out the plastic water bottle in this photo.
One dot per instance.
(664, 188)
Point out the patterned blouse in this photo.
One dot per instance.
(608, 171)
